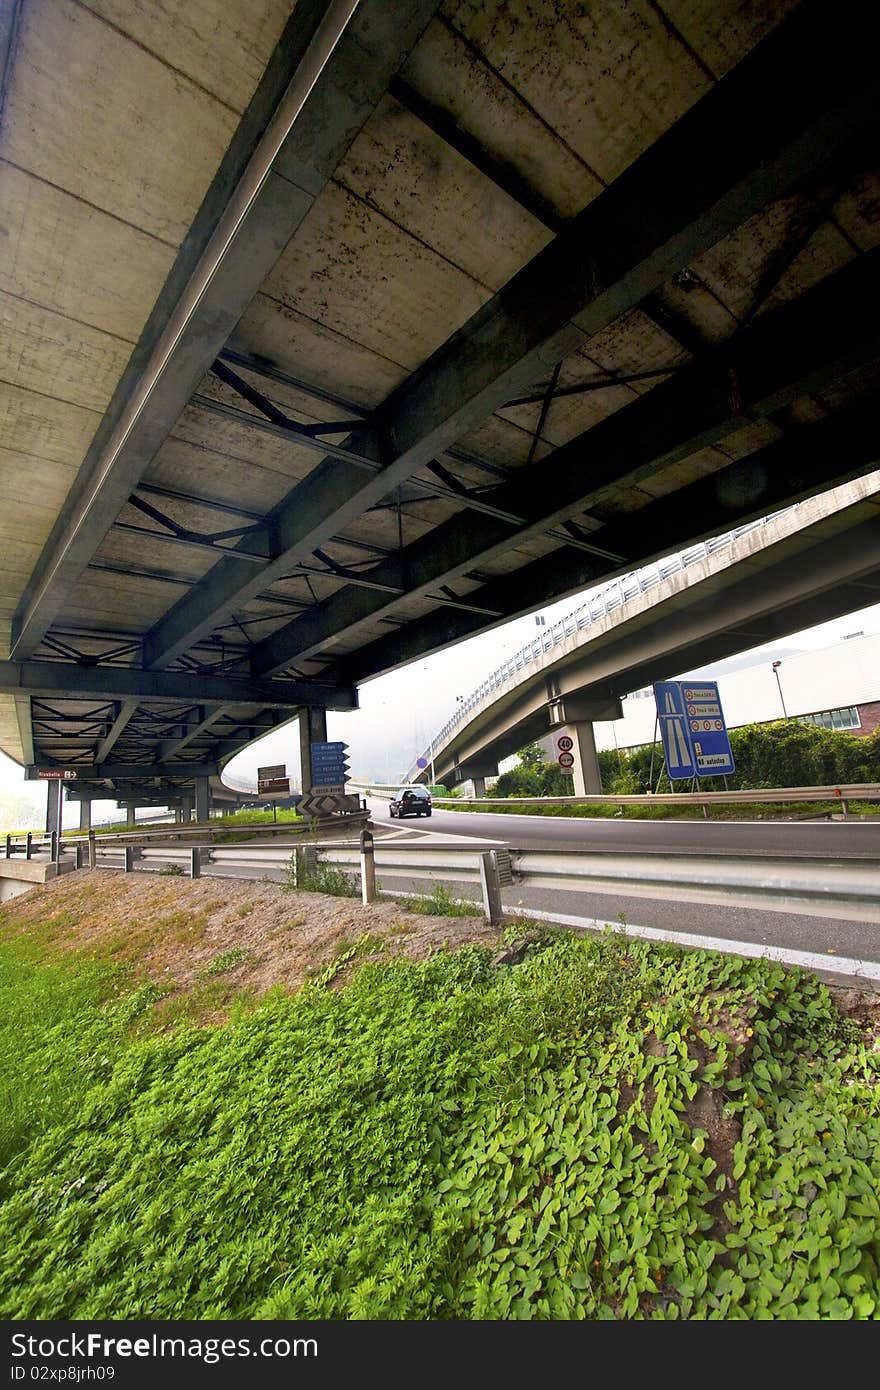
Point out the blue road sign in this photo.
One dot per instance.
(672, 717)
(421, 762)
(706, 728)
(329, 765)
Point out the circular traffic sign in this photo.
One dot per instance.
(565, 744)
(718, 724)
(566, 760)
(421, 762)
(707, 723)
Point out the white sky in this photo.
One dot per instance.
(399, 712)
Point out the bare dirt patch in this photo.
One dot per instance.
(241, 937)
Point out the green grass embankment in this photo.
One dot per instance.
(608, 1129)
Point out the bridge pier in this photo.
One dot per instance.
(476, 772)
(578, 713)
(586, 772)
(203, 800)
(85, 815)
(312, 729)
(130, 816)
(53, 807)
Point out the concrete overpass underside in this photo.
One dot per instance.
(335, 333)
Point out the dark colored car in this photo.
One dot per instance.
(411, 801)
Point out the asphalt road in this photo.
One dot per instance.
(807, 935)
(812, 839)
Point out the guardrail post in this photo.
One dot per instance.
(8, 846)
(491, 886)
(80, 852)
(128, 861)
(195, 862)
(93, 851)
(29, 845)
(54, 847)
(368, 868)
(305, 860)
(845, 804)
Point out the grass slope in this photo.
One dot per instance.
(604, 1129)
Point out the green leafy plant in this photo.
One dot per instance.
(320, 878)
(441, 903)
(224, 962)
(609, 1129)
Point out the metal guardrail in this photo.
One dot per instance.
(609, 599)
(32, 844)
(848, 888)
(843, 795)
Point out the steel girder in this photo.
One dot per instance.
(783, 113)
(795, 349)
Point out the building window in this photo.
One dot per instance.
(847, 718)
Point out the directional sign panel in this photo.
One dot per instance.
(268, 774)
(708, 731)
(674, 732)
(329, 766)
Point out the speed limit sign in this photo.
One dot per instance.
(566, 760)
(565, 744)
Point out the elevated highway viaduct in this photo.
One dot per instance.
(332, 334)
(815, 562)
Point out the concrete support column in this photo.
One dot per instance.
(586, 773)
(130, 817)
(186, 809)
(85, 815)
(53, 807)
(203, 799)
(479, 786)
(312, 729)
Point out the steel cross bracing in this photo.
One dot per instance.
(798, 113)
(571, 290)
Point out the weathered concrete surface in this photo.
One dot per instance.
(504, 120)
(20, 875)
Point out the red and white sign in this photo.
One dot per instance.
(273, 786)
(566, 760)
(565, 744)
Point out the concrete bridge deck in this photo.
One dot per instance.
(331, 334)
